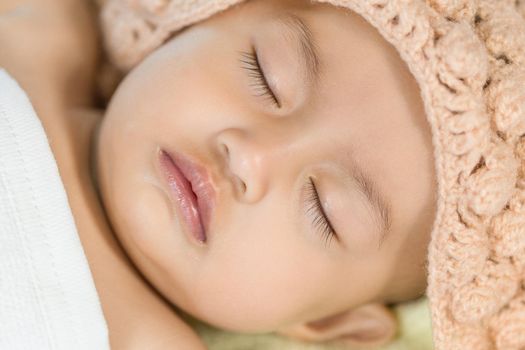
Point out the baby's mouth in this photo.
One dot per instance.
(190, 190)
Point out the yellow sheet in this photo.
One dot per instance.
(414, 334)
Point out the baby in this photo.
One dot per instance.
(266, 172)
(269, 168)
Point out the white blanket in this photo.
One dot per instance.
(47, 295)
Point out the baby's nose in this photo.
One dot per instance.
(249, 161)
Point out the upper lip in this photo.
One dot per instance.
(201, 185)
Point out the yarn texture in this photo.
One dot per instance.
(468, 58)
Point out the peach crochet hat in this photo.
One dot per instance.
(468, 57)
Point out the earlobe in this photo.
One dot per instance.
(369, 325)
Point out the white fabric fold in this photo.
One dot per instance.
(48, 298)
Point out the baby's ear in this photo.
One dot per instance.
(369, 325)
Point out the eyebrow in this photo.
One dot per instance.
(308, 48)
(381, 206)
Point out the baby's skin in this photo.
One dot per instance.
(312, 134)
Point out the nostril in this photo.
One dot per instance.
(225, 151)
(240, 184)
(243, 186)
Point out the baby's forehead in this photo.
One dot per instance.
(132, 29)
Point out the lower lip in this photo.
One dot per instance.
(182, 194)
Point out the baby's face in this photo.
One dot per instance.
(343, 135)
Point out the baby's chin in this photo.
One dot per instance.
(234, 317)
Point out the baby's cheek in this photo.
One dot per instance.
(260, 283)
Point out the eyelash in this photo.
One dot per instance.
(315, 209)
(250, 62)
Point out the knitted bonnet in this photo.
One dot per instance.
(468, 57)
